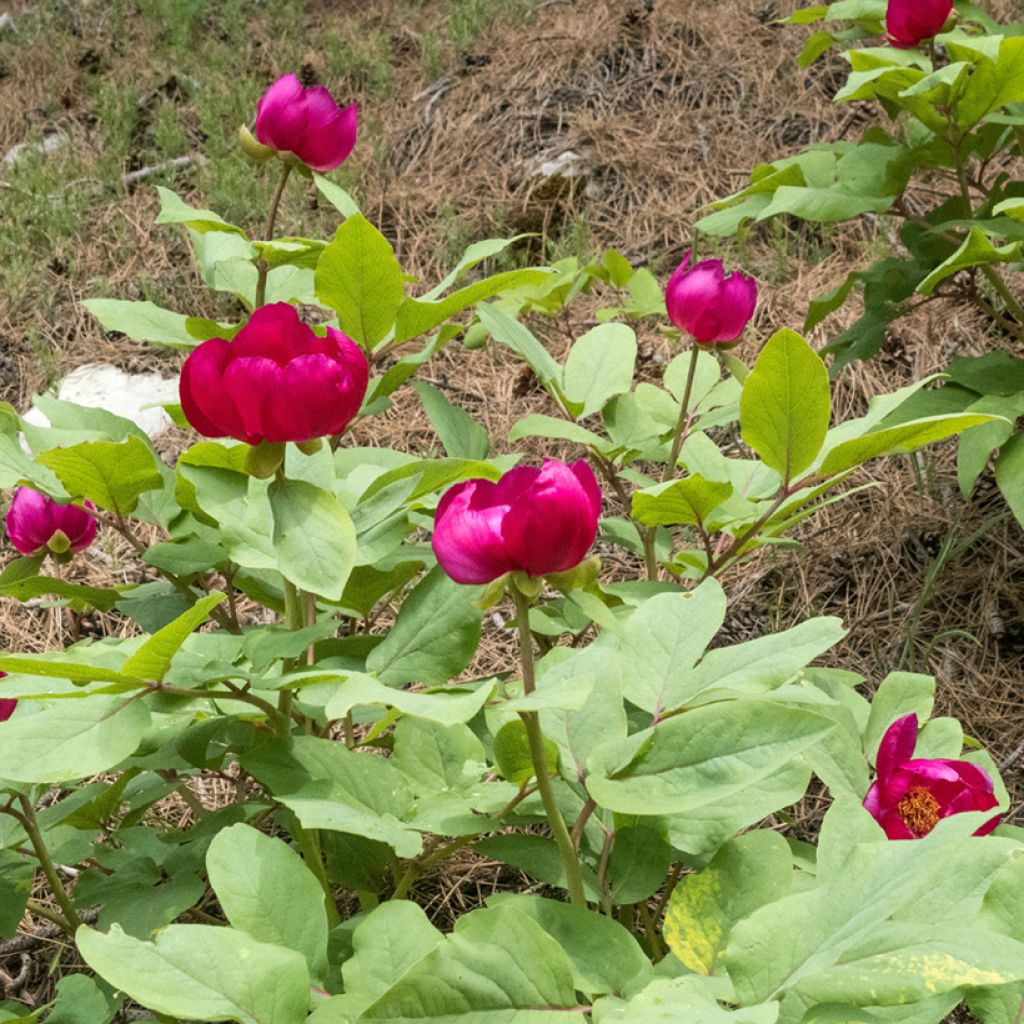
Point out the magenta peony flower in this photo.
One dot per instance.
(911, 794)
(307, 122)
(711, 306)
(7, 705)
(536, 521)
(910, 22)
(37, 523)
(276, 381)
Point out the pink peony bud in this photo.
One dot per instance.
(911, 795)
(276, 381)
(307, 122)
(910, 22)
(536, 521)
(7, 705)
(711, 306)
(37, 523)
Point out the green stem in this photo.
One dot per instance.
(573, 877)
(994, 277)
(39, 910)
(261, 266)
(31, 826)
(417, 867)
(309, 844)
(684, 415)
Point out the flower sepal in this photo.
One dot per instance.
(263, 460)
(494, 592)
(252, 147)
(577, 578)
(529, 586)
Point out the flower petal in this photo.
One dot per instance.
(200, 389)
(467, 533)
(897, 746)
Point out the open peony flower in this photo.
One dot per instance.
(911, 795)
(536, 521)
(37, 523)
(711, 306)
(910, 22)
(306, 122)
(276, 381)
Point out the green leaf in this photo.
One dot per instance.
(142, 321)
(897, 695)
(745, 874)
(447, 706)
(266, 891)
(435, 636)
(906, 437)
(202, 972)
(600, 366)
(61, 667)
(694, 760)
(336, 195)
(314, 538)
(496, 966)
(511, 332)
(512, 755)
(174, 210)
(360, 279)
(664, 639)
(690, 500)
(1010, 474)
(976, 251)
(540, 425)
(785, 404)
(81, 1000)
(152, 660)
(27, 587)
(639, 862)
(71, 739)
(605, 957)
(17, 874)
(417, 316)
(331, 787)
(110, 474)
(885, 929)
(461, 435)
(993, 83)
(387, 943)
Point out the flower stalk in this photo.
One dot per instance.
(531, 720)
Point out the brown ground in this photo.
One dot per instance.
(670, 102)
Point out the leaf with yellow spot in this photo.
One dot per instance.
(745, 874)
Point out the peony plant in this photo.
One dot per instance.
(311, 641)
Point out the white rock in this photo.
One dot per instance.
(135, 396)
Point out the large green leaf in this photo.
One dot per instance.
(702, 757)
(386, 944)
(664, 639)
(976, 251)
(142, 321)
(360, 279)
(111, 474)
(785, 404)
(497, 967)
(153, 658)
(604, 956)
(447, 706)
(1010, 474)
(511, 332)
(435, 636)
(599, 366)
(314, 538)
(267, 891)
(417, 316)
(72, 739)
(202, 972)
(690, 500)
(745, 874)
(863, 936)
